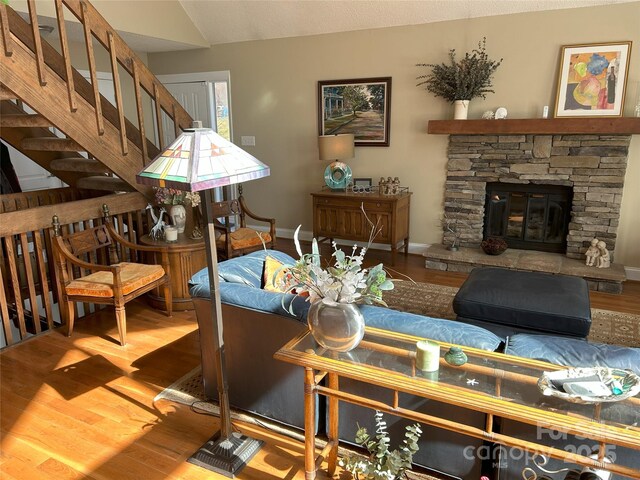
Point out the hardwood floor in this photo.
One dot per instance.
(82, 407)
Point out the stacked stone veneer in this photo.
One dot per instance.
(594, 165)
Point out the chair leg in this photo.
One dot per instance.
(69, 312)
(168, 298)
(121, 318)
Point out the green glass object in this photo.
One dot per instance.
(455, 356)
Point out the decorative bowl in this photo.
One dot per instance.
(550, 384)
(493, 246)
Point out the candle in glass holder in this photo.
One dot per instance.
(170, 234)
(427, 356)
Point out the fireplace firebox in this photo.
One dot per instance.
(530, 217)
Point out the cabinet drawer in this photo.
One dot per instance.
(377, 206)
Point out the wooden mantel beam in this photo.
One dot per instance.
(538, 126)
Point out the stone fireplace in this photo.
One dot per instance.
(592, 166)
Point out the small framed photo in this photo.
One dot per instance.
(362, 185)
(592, 80)
(359, 106)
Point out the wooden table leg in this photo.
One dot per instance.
(333, 425)
(309, 425)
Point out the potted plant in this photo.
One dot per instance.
(460, 81)
(382, 463)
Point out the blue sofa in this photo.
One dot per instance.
(256, 325)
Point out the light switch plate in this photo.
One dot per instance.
(248, 141)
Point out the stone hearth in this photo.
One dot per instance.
(593, 165)
(609, 280)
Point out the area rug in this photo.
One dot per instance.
(436, 301)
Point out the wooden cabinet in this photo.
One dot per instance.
(340, 215)
(186, 257)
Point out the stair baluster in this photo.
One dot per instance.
(62, 29)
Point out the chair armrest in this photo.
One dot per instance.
(249, 213)
(134, 246)
(81, 263)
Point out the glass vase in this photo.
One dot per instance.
(336, 326)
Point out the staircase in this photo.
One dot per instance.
(75, 133)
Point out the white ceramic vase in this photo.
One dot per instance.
(460, 109)
(336, 326)
(178, 216)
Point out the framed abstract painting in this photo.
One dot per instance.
(592, 80)
(359, 106)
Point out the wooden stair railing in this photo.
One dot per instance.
(30, 279)
(45, 79)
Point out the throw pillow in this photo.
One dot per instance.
(271, 266)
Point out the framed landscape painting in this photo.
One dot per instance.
(592, 80)
(359, 106)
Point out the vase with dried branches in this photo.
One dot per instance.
(460, 81)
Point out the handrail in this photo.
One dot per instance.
(95, 26)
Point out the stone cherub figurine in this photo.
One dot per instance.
(592, 253)
(604, 260)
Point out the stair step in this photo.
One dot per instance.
(111, 184)
(24, 120)
(51, 144)
(6, 94)
(78, 164)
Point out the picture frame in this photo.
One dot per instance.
(592, 80)
(360, 106)
(362, 185)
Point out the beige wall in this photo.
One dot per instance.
(273, 90)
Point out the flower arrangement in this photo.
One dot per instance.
(343, 282)
(172, 196)
(466, 79)
(382, 463)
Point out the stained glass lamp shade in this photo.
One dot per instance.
(200, 159)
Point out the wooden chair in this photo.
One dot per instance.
(240, 240)
(114, 283)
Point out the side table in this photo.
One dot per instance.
(186, 256)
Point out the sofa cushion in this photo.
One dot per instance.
(264, 301)
(246, 270)
(572, 352)
(435, 328)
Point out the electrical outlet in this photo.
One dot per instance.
(248, 141)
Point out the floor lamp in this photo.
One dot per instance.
(200, 160)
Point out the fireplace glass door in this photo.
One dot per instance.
(533, 217)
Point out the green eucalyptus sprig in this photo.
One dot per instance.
(466, 79)
(382, 463)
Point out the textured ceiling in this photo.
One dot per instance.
(226, 21)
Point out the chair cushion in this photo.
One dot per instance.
(244, 238)
(100, 284)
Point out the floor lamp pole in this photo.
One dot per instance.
(226, 452)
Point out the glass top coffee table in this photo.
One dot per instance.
(496, 384)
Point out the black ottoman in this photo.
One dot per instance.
(507, 302)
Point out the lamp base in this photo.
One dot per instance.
(226, 456)
(337, 175)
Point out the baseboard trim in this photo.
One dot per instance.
(306, 235)
(633, 273)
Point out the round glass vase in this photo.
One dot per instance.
(336, 326)
(178, 216)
